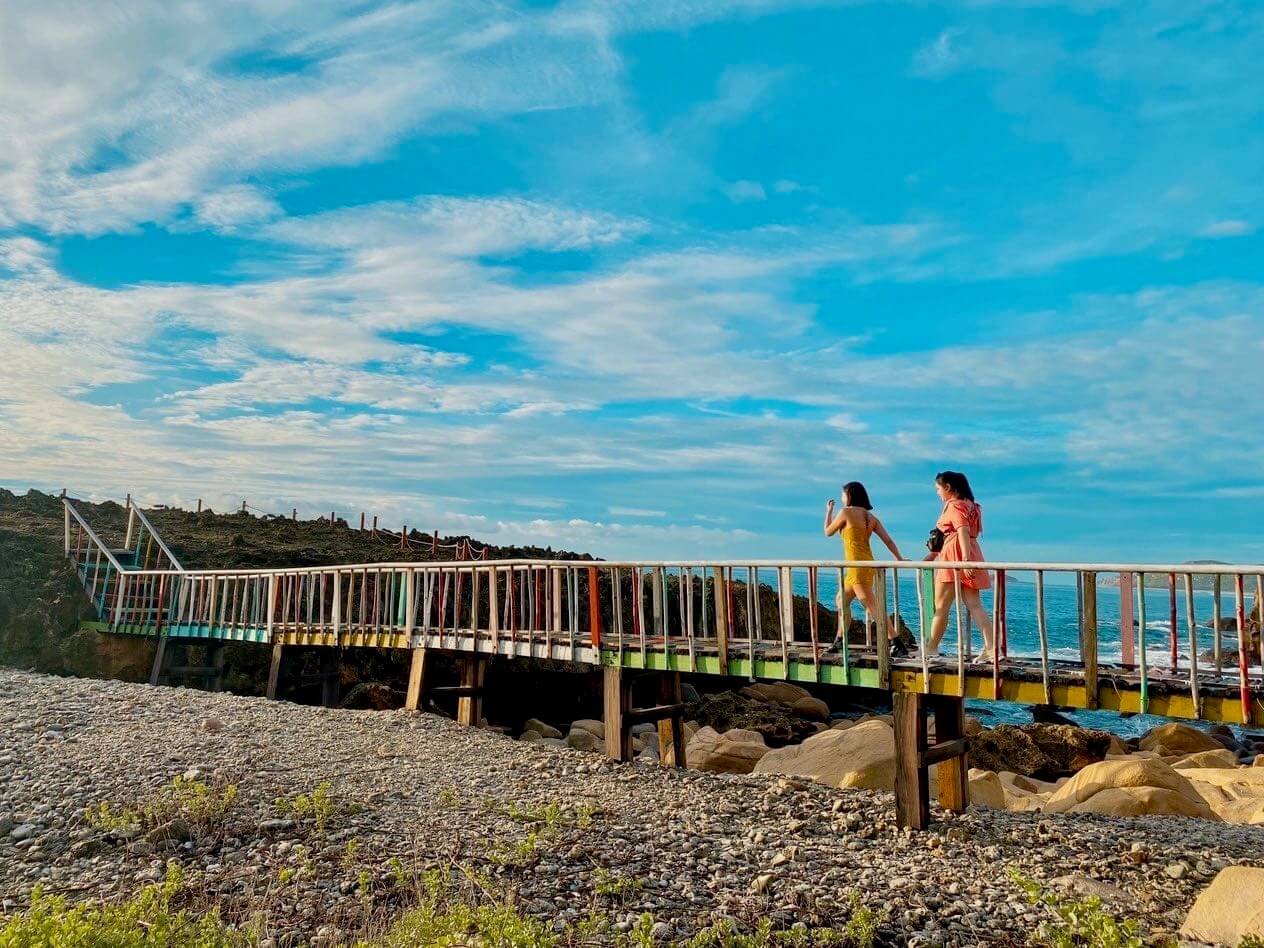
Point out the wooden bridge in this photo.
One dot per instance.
(748, 620)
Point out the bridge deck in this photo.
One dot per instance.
(1019, 679)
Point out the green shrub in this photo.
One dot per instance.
(319, 807)
(1076, 923)
(148, 920)
(199, 804)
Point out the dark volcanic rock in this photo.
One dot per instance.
(1043, 751)
(777, 722)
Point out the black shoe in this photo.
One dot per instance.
(899, 649)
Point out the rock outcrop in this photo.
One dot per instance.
(1044, 751)
(1129, 786)
(861, 756)
(1177, 740)
(1230, 909)
(736, 751)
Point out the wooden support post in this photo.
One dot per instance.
(914, 756)
(199, 510)
(719, 589)
(215, 659)
(594, 608)
(618, 702)
(160, 660)
(950, 726)
(912, 784)
(416, 680)
(1088, 641)
(469, 709)
(671, 730)
(274, 671)
(330, 670)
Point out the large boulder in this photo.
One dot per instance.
(814, 709)
(1229, 909)
(736, 751)
(986, 789)
(539, 727)
(1177, 740)
(592, 726)
(582, 739)
(1221, 758)
(862, 756)
(783, 692)
(1129, 786)
(1045, 751)
(1236, 795)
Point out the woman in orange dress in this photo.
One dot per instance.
(961, 522)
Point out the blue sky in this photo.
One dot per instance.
(646, 279)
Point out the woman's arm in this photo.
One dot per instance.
(885, 537)
(833, 524)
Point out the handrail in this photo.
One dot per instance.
(156, 535)
(1198, 569)
(92, 535)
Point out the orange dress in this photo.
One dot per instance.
(962, 523)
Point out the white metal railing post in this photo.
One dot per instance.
(131, 523)
(271, 601)
(65, 510)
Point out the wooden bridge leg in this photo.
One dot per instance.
(215, 659)
(618, 702)
(274, 672)
(950, 732)
(330, 670)
(160, 661)
(912, 782)
(671, 731)
(416, 680)
(469, 708)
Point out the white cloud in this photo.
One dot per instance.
(741, 191)
(234, 207)
(1227, 228)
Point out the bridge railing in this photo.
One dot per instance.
(1177, 626)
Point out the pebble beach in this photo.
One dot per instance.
(687, 848)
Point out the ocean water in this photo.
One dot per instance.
(1062, 626)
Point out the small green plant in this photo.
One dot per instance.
(286, 875)
(147, 920)
(550, 814)
(446, 915)
(199, 804)
(861, 930)
(319, 807)
(1076, 923)
(447, 798)
(520, 854)
(611, 886)
(584, 814)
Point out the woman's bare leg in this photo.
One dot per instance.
(864, 595)
(843, 601)
(944, 596)
(973, 602)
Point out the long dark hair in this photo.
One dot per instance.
(956, 482)
(855, 495)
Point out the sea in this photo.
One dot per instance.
(1062, 625)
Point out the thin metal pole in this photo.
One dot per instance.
(1193, 644)
(1043, 631)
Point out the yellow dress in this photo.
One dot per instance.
(856, 547)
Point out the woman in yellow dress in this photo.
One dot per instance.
(857, 524)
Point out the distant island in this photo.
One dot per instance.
(1204, 582)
